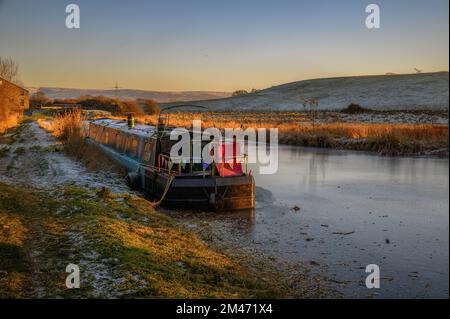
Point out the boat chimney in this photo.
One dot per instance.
(130, 120)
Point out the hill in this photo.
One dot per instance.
(381, 92)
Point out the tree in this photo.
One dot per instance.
(313, 104)
(239, 93)
(39, 99)
(9, 69)
(151, 106)
(132, 106)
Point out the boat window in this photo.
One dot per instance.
(112, 137)
(99, 135)
(133, 147)
(92, 131)
(123, 143)
(118, 141)
(98, 132)
(148, 148)
(108, 136)
(127, 144)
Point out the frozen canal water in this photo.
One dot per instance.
(356, 209)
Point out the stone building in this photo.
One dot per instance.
(13, 96)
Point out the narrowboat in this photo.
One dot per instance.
(144, 151)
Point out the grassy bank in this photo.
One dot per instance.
(123, 247)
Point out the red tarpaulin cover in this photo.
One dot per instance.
(228, 166)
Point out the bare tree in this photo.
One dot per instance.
(313, 104)
(9, 69)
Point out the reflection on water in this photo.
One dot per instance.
(396, 210)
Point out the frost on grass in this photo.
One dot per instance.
(37, 160)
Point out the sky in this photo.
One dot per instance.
(180, 45)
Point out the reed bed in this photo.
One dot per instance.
(297, 129)
(65, 126)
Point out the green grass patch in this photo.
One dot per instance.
(143, 253)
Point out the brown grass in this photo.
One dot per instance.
(297, 129)
(386, 139)
(66, 125)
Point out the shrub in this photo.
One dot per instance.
(239, 93)
(355, 109)
(133, 107)
(112, 105)
(67, 125)
(39, 99)
(152, 107)
(103, 103)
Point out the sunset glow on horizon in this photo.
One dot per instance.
(218, 46)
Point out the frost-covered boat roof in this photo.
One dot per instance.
(122, 125)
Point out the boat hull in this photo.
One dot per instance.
(174, 191)
(198, 193)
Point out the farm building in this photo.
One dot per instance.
(13, 96)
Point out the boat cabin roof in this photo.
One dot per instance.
(122, 125)
(142, 130)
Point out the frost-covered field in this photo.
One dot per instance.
(393, 117)
(385, 92)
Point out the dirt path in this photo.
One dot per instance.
(36, 159)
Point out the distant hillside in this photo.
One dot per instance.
(133, 94)
(383, 92)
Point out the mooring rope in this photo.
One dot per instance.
(166, 190)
